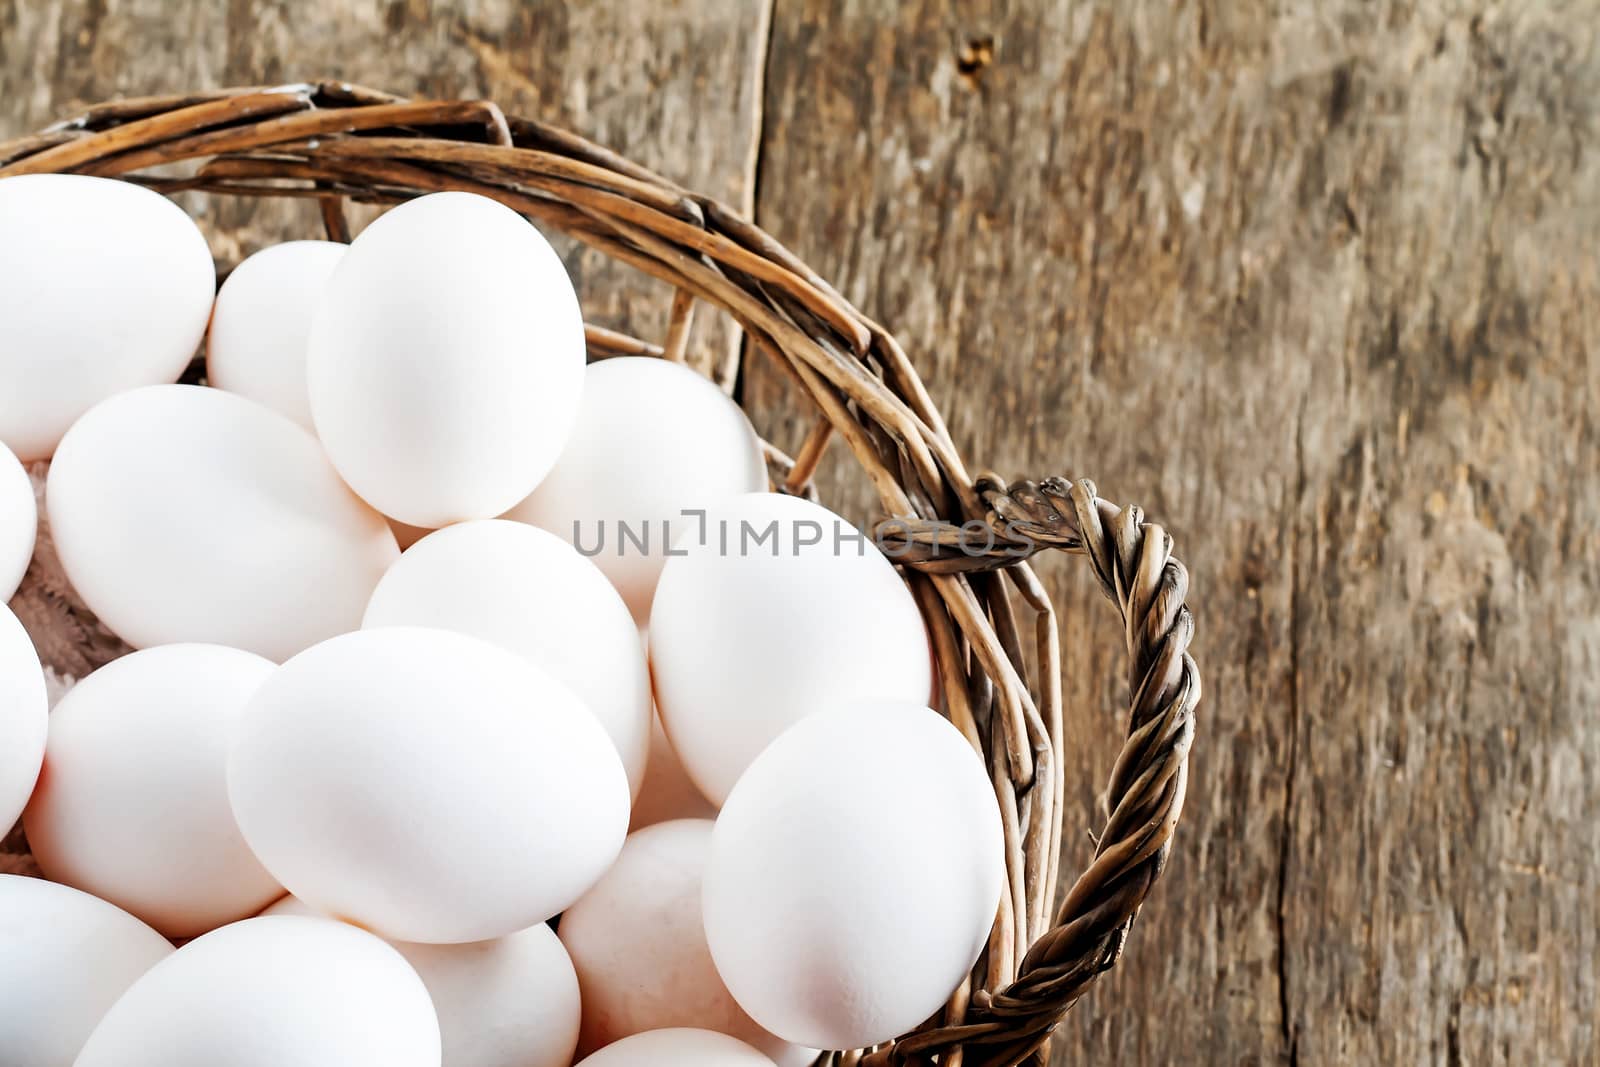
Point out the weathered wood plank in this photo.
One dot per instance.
(1314, 284)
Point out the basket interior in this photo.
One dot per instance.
(963, 542)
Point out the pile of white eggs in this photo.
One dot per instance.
(348, 806)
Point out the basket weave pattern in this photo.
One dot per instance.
(334, 142)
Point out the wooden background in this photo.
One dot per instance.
(1313, 282)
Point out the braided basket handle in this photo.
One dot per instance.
(1133, 561)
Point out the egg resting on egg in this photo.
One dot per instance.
(445, 360)
(638, 943)
(427, 785)
(65, 958)
(104, 286)
(855, 874)
(530, 592)
(187, 514)
(135, 806)
(508, 1002)
(270, 992)
(774, 608)
(654, 443)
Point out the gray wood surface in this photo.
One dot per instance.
(1314, 283)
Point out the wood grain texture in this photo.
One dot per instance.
(1315, 283)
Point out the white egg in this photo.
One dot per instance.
(189, 514)
(509, 1002)
(854, 876)
(256, 346)
(653, 440)
(666, 792)
(678, 1048)
(529, 591)
(446, 360)
(104, 286)
(271, 992)
(133, 804)
(427, 785)
(24, 718)
(19, 522)
(65, 958)
(638, 943)
(776, 608)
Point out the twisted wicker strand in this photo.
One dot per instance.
(1134, 564)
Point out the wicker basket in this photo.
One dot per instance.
(335, 142)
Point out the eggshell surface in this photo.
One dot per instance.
(427, 785)
(446, 360)
(24, 718)
(269, 992)
(509, 1002)
(256, 345)
(638, 943)
(653, 439)
(756, 626)
(530, 592)
(134, 805)
(19, 522)
(854, 876)
(678, 1048)
(65, 957)
(186, 514)
(104, 286)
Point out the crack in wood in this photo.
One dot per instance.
(1291, 1036)
(740, 342)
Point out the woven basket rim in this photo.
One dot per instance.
(332, 142)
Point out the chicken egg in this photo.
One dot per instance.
(638, 943)
(184, 514)
(256, 346)
(426, 785)
(19, 522)
(653, 440)
(133, 803)
(509, 1002)
(677, 1048)
(65, 958)
(529, 591)
(854, 876)
(446, 360)
(104, 286)
(24, 718)
(271, 992)
(776, 607)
